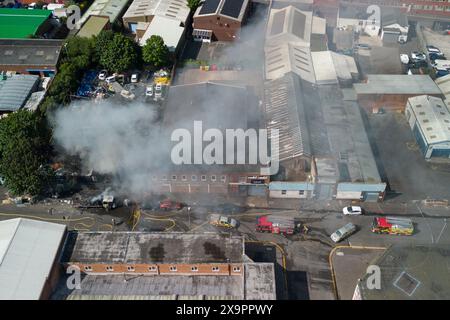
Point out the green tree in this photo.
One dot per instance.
(25, 152)
(119, 54)
(193, 4)
(101, 42)
(155, 52)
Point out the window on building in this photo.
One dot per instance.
(203, 178)
(194, 269)
(215, 269)
(213, 178)
(301, 192)
(173, 268)
(429, 128)
(183, 178)
(283, 191)
(174, 178)
(152, 268)
(164, 178)
(130, 268)
(87, 268)
(236, 269)
(223, 178)
(109, 268)
(194, 178)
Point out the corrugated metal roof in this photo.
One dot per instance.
(285, 112)
(28, 249)
(110, 8)
(433, 118)
(172, 9)
(15, 91)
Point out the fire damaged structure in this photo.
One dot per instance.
(324, 150)
(169, 265)
(219, 106)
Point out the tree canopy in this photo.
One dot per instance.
(25, 151)
(155, 52)
(119, 54)
(193, 4)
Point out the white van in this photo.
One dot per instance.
(343, 232)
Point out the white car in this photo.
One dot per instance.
(418, 56)
(149, 91)
(134, 78)
(404, 58)
(402, 39)
(158, 91)
(111, 79)
(102, 75)
(352, 210)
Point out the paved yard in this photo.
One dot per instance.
(439, 40)
(402, 165)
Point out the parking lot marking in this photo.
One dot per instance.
(442, 231)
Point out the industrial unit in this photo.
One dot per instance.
(93, 26)
(30, 56)
(15, 91)
(29, 258)
(164, 265)
(113, 9)
(429, 119)
(391, 92)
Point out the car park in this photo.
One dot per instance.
(343, 232)
(352, 210)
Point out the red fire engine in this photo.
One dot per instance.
(276, 224)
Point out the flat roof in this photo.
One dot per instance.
(444, 84)
(109, 8)
(170, 30)
(15, 91)
(140, 247)
(324, 67)
(21, 23)
(397, 84)
(171, 9)
(93, 26)
(29, 52)
(411, 273)
(433, 118)
(257, 283)
(28, 250)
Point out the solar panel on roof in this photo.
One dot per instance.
(209, 6)
(232, 8)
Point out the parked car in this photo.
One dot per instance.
(158, 91)
(222, 221)
(418, 56)
(402, 39)
(111, 79)
(102, 75)
(352, 210)
(404, 58)
(149, 91)
(363, 46)
(134, 77)
(441, 73)
(170, 205)
(436, 56)
(433, 49)
(343, 232)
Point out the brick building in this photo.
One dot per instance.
(171, 264)
(220, 20)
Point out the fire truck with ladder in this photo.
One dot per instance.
(393, 225)
(276, 224)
